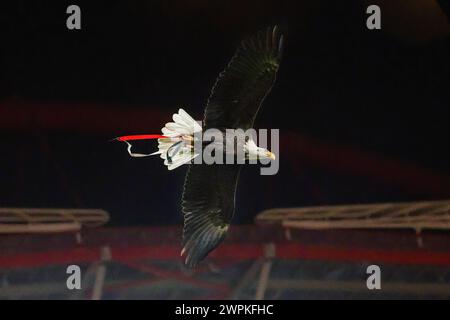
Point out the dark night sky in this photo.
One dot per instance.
(383, 92)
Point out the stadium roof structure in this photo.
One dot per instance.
(259, 261)
(45, 220)
(431, 215)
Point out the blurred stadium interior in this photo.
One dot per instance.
(363, 119)
(261, 261)
(269, 260)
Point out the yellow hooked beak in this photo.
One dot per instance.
(270, 155)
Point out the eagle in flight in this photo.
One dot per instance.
(208, 199)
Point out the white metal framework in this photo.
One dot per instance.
(415, 215)
(37, 220)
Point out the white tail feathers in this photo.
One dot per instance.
(183, 125)
(177, 149)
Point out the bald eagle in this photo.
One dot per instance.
(208, 200)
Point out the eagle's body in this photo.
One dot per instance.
(208, 200)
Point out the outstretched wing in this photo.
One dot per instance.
(208, 206)
(241, 88)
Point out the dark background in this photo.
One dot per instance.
(363, 114)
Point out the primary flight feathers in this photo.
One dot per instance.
(241, 88)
